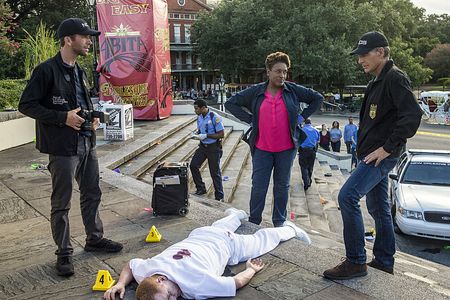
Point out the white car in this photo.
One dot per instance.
(420, 194)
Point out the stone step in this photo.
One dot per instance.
(297, 207)
(139, 164)
(234, 170)
(335, 182)
(228, 148)
(241, 196)
(183, 153)
(315, 208)
(133, 148)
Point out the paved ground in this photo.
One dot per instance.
(293, 270)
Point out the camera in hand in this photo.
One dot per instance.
(88, 116)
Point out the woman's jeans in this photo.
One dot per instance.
(263, 164)
(372, 182)
(336, 146)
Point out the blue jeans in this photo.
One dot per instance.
(263, 164)
(372, 182)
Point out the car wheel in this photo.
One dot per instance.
(394, 223)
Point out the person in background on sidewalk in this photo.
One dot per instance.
(353, 149)
(273, 108)
(389, 116)
(193, 268)
(54, 97)
(335, 137)
(324, 142)
(349, 130)
(307, 153)
(210, 132)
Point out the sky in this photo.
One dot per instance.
(434, 6)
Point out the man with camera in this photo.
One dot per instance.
(57, 97)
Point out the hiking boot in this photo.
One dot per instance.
(242, 215)
(375, 264)
(64, 266)
(346, 270)
(300, 234)
(103, 245)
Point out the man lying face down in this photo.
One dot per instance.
(193, 268)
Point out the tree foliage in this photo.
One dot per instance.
(439, 60)
(29, 13)
(6, 26)
(318, 36)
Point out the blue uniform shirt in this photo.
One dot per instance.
(312, 136)
(208, 126)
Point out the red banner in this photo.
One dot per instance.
(135, 56)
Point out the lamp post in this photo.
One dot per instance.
(95, 74)
(221, 85)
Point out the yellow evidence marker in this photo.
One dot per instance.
(104, 281)
(153, 236)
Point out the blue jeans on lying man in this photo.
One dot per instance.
(372, 182)
(263, 164)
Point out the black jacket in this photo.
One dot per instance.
(49, 94)
(293, 94)
(389, 113)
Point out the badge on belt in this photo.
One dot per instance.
(373, 111)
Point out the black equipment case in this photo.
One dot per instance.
(170, 189)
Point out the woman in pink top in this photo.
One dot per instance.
(273, 111)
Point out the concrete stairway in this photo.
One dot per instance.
(317, 207)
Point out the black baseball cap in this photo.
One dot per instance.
(370, 41)
(73, 26)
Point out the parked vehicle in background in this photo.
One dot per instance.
(420, 194)
(435, 106)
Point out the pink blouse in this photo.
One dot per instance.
(274, 134)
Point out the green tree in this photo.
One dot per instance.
(439, 60)
(412, 65)
(29, 13)
(318, 35)
(435, 26)
(8, 48)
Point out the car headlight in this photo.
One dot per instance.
(410, 214)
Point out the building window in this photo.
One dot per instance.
(178, 60)
(187, 34)
(176, 33)
(189, 60)
(181, 2)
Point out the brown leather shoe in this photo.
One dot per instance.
(346, 270)
(375, 264)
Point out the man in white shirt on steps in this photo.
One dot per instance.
(193, 268)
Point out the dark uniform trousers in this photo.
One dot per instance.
(212, 152)
(82, 167)
(306, 158)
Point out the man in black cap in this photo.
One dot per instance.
(55, 96)
(389, 116)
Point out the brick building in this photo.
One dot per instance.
(187, 71)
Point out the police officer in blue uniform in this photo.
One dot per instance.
(210, 132)
(307, 153)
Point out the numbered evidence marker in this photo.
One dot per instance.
(104, 281)
(153, 236)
